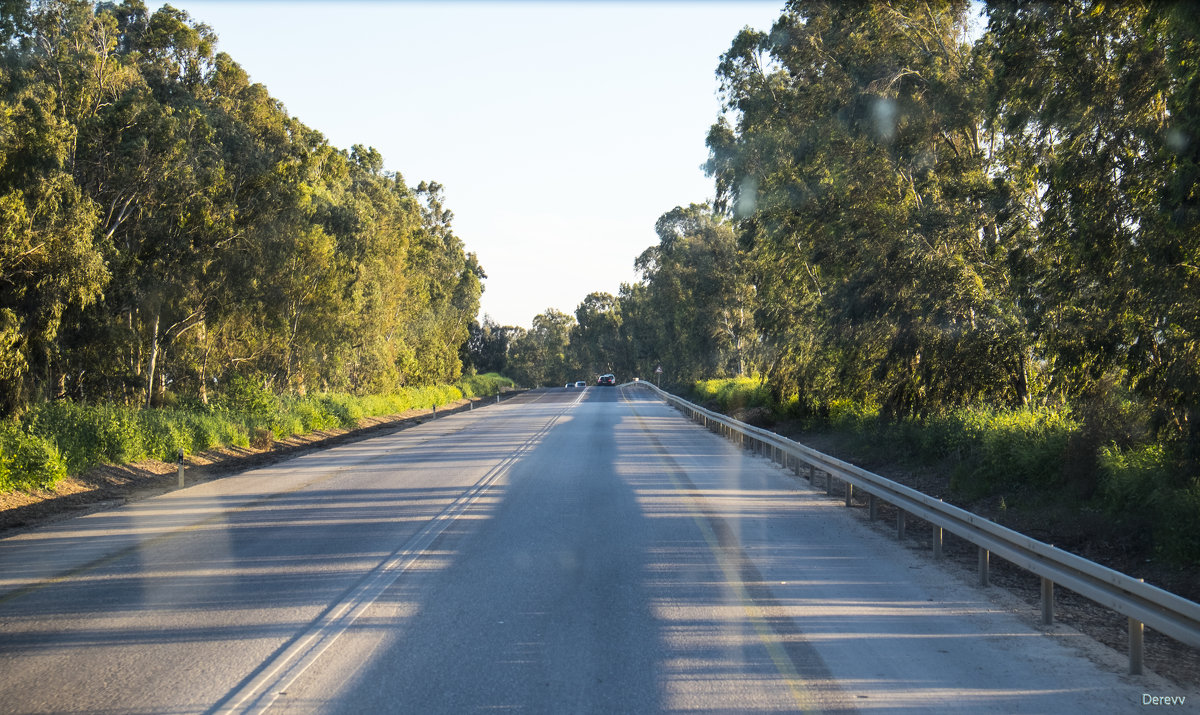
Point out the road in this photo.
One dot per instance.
(566, 551)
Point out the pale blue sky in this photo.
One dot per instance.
(560, 130)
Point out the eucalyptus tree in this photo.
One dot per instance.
(853, 158)
(699, 290)
(541, 355)
(167, 223)
(595, 339)
(1097, 105)
(641, 331)
(489, 345)
(444, 295)
(52, 72)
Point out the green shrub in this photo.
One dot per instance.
(344, 408)
(1177, 536)
(735, 393)
(62, 437)
(310, 413)
(86, 434)
(1129, 478)
(28, 461)
(250, 397)
(1139, 486)
(851, 416)
(483, 385)
(1003, 448)
(164, 435)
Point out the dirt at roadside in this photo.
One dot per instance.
(108, 486)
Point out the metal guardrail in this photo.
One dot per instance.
(1141, 603)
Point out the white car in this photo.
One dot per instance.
(581, 383)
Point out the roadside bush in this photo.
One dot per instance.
(1005, 448)
(854, 417)
(1137, 487)
(732, 394)
(346, 409)
(62, 437)
(86, 434)
(484, 385)
(1130, 478)
(28, 461)
(309, 414)
(163, 435)
(250, 397)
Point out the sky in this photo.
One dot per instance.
(560, 131)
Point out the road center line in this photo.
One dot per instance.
(262, 687)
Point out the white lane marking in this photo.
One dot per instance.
(278, 672)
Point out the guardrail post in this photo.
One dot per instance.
(984, 577)
(180, 460)
(937, 541)
(901, 524)
(1047, 601)
(849, 494)
(828, 484)
(872, 507)
(1136, 638)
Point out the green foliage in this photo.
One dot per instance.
(731, 394)
(1130, 477)
(62, 437)
(541, 356)
(27, 461)
(166, 223)
(997, 449)
(484, 385)
(1139, 485)
(851, 416)
(249, 397)
(88, 435)
(696, 305)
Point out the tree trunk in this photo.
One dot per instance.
(204, 364)
(153, 361)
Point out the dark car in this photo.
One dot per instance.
(609, 379)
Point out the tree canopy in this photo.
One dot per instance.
(166, 225)
(919, 213)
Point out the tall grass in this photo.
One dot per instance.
(55, 439)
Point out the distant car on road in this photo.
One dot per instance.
(609, 379)
(581, 383)
(568, 386)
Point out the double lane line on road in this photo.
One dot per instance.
(259, 690)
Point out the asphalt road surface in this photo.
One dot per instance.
(568, 551)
